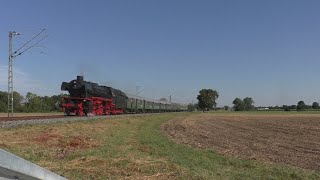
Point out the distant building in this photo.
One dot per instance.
(262, 108)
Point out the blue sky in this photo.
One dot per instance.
(267, 50)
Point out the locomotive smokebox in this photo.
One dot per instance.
(80, 79)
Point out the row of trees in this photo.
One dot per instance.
(207, 101)
(243, 105)
(30, 103)
(301, 106)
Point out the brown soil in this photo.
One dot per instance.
(53, 139)
(284, 139)
(64, 145)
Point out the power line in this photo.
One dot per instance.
(31, 46)
(29, 41)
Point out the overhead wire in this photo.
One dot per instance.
(29, 41)
(32, 46)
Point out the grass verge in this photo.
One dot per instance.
(133, 148)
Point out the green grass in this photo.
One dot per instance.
(206, 164)
(134, 148)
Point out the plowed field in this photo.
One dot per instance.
(285, 139)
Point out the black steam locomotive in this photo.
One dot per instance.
(87, 97)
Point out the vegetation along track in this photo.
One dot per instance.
(9, 122)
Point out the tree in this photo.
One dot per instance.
(293, 107)
(33, 103)
(3, 101)
(191, 107)
(207, 99)
(55, 100)
(315, 105)
(226, 108)
(248, 103)
(196, 106)
(301, 106)
(29, 97)
(238, 104)
(17, 100)
(163, 99)
(286, 107)
(245, 105)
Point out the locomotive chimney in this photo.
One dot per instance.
(80, 78)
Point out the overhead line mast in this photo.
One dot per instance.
(10, 66)
(10, 74)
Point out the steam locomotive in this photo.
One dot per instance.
(90, 98)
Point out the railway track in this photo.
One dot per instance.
(11, 122)
(4, 119)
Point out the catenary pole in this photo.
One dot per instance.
(10, 74)
(12, 55)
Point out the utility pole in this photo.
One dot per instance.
(12, 55)
(170, 98)
(10, 74)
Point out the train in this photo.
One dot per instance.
(86, 98)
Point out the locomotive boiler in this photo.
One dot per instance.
(87, 97)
